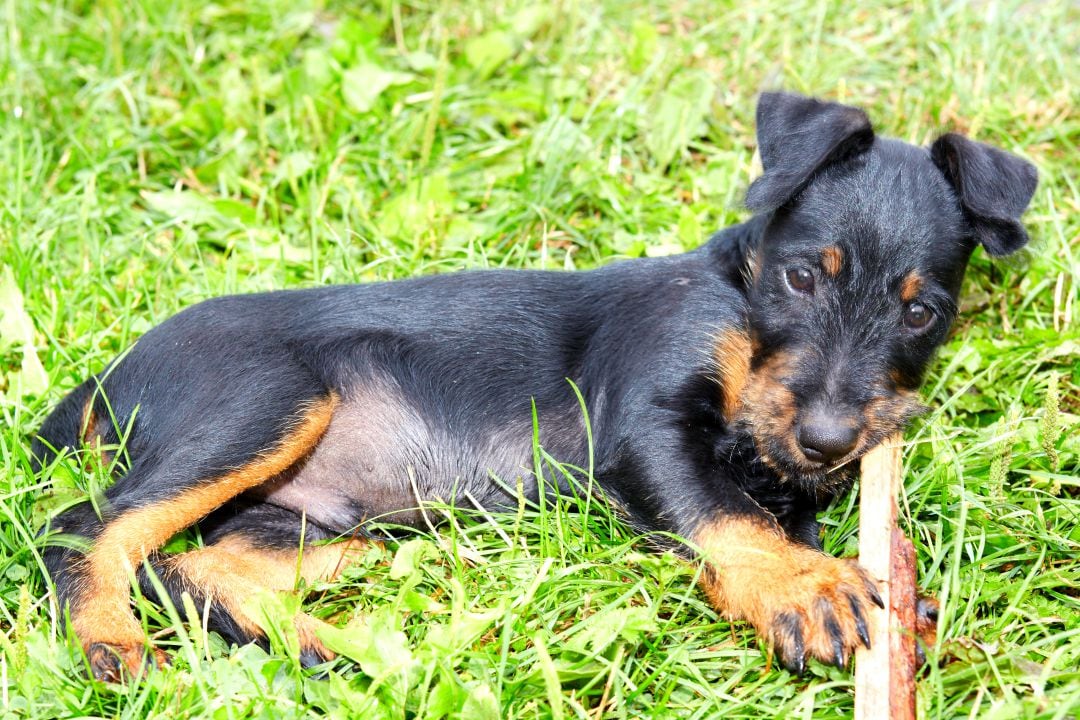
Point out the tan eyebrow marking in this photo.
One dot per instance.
(832, 259)
(911, 286)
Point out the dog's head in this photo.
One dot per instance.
(854, 282)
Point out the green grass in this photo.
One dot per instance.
(154, 154)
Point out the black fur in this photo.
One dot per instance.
(797, 137)
(994, 188)
(440, 371)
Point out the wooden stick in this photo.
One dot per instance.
(885, 674)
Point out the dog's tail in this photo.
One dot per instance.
(62, 429)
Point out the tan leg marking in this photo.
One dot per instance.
(88, 423)
(231, 571)
(102, 613)
(90, 436)
(804, 602)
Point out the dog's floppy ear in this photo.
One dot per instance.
(994, 188)
(797, 136)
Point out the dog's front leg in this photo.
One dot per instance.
(805, 603)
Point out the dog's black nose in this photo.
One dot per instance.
(824, 438)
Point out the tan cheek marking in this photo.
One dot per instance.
(769, 407)
(732, 355)
(911, 286)
(886, 415)
(754, 263)
(832, 259)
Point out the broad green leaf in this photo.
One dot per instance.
(235, 209)
(689, 229)
(531, 18)
(17, 331)
(235, 92)
(559, 139)
(663, 248)
(185, 206)
(627, 624)
(679, 114)
(446, 698)
(294, 166)
(318, 67)
(408, 557)
(389, 651)
(481, 705)
(462, 630)
(362, 85)
(381, 650)
(340, 699)
(488, 51)
(644, 42)
(356, 37)
(421, 61)
(424, 202)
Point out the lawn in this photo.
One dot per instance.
(153, 154)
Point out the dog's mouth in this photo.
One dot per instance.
(782, 453)
(819, 478)
(812, 443)
(770, 416)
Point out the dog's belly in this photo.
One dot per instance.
(380, 460)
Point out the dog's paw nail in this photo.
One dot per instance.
(794, 664)
(860, 620)
(119, 663)
(789, 640)
(105, 663)
(839, 658)
(832, 629)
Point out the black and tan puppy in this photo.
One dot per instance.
(730, 390)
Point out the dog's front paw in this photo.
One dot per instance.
(819, 610)
(805, 603)
(116, 662)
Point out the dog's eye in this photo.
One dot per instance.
(800, 280)
(917, 316)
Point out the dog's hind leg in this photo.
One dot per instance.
(255, 550)
(170, 486)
